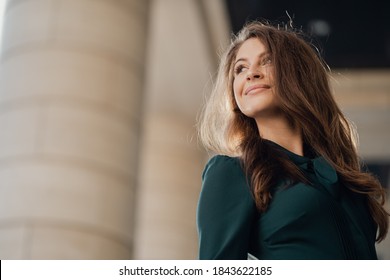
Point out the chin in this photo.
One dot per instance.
(253, 112)
(262, 113)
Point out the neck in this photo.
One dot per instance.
(280, 131)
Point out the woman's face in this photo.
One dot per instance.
(253, 84)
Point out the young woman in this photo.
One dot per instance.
(286, 182)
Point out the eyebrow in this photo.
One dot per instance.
(245, 59)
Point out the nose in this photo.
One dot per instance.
(253, 74)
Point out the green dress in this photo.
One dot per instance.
(320, 221)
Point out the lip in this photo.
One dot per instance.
(260, 87)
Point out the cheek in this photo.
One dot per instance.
(270, 74)
(236, 92)
(237, 87)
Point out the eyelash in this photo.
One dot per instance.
(238, 69)
(266, 61)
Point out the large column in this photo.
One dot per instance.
(180, 58)
(70, 88)
(364, 96)
(170, 169)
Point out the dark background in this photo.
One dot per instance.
(357, 33)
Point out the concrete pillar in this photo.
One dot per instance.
(170, 169)
(180, 58)
(364, 96)
(71, 73)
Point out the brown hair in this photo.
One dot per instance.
(303, 91)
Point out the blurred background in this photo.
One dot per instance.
(99, 156)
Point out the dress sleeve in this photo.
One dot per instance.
(226, 211)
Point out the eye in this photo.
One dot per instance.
(239, 69)
(266, 61)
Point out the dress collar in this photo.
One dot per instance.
(325, 174)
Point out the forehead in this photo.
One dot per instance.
(252, 46)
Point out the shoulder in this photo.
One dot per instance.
(226, 210)
(223, 175)
(221, 166)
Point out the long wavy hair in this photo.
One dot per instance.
(303, 91)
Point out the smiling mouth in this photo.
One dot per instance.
(256, 88)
